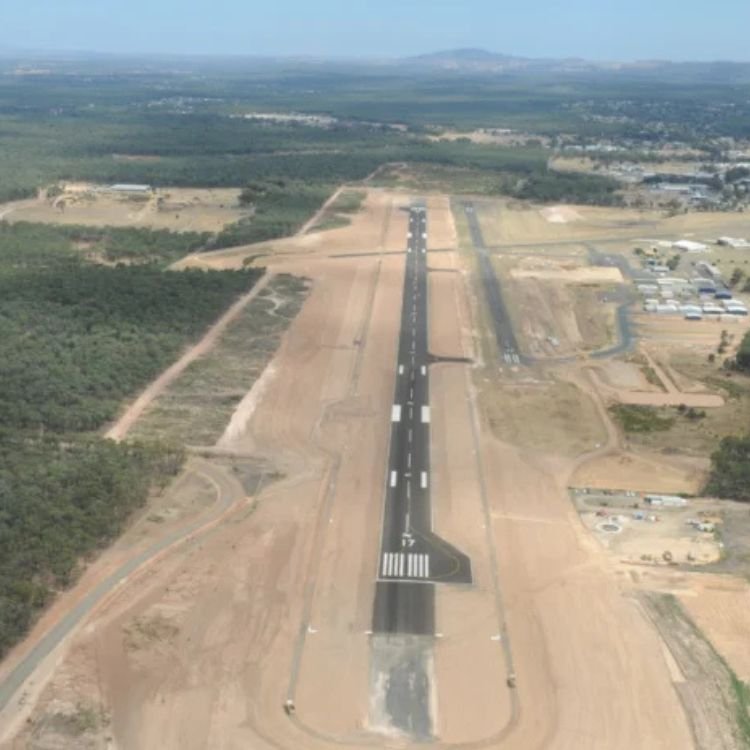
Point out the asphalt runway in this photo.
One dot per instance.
(507, 346)
(412, 558)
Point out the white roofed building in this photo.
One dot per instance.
(688, 246)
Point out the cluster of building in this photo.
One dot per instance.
(705, 295)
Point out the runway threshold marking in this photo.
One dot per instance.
(405, 565)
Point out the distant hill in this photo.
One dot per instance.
(467, 59)
(471, 60)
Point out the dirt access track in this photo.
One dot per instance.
(203, 647)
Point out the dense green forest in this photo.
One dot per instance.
(136, 244)
(59, 502)
(77, 339)
(742, 360)
(167, 130)
(730, 469)
(281, 208)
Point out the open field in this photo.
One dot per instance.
(492, 136)
(513, 223)
(176, 209)
(559, 308)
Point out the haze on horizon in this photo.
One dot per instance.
(636, 30)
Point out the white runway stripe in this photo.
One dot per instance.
(394, 478)
(400, 565)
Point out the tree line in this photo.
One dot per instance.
(78, 338)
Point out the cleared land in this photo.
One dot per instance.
(197, 406)
(176, 209)
(513, 223)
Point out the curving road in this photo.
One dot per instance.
(228, 492)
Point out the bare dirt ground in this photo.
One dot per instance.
(495, 136)
(373, 230)
(558, 319)
(720, 607)
(176, 209)
(638, 534)
(509, 222)
(275, 600)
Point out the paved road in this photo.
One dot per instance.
(228, 492)
(412, 558)
(507, 345)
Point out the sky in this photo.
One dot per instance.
(593, 29)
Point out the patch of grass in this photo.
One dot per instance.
(732, 388)
(197, 407)
(635, 418)
(348, 202)
(742, 696)
(650, 375)
(711, 678)
(331, 221)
